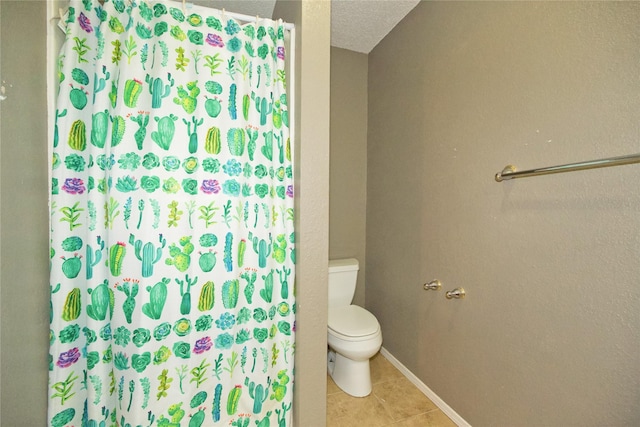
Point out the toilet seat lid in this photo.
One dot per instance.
(353, 321)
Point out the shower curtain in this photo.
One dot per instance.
(172, 241)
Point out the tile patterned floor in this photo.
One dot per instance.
(394, 401)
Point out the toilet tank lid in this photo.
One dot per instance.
(348, 264)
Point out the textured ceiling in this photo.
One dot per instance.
(357, 25)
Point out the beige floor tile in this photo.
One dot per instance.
(435, 418)
(332, 387)
(382, 370)
(347, 411)
(401, 399)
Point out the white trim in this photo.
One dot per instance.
(448, 411)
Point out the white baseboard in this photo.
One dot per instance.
(449, 412)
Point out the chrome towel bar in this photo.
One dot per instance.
(510, 172)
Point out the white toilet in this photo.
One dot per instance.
(354, 334)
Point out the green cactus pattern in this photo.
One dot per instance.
(267, 292)
(252, 133)
(277, 113)
(279, 386)
(54, 289)
(262, 248)
(258, 393)
(158, 89)
(63, 417)
(102, 300)
(235, 141)
(246, 104)
(233, 111)
(71, 266)
(132, 89)
(242, 247)
(281, 148)
(213, 107)
(263, 107)
(212, 141)
(142, 119)
(284, 283)
(166, 129)
(100, 83)
(267, 148)
(230, 291)
(242, 421)
(118, 126)
(147, 254)
(215, 413)
(72, 305)
(99, 128)
(157, 299)
(56, 132)
(207, 261)
(116, 257)
(130, 289)
(280, 248)
(78, 136)
(78, 98)
(282, 414)
(228, 260)
(193, 135)
(234, 398)
(113, 94)
(250, 286)
(207, 296)
(176, 414)
(139, 330)
(181, 254)
(188, 97)
(197, 419)
(185, 292)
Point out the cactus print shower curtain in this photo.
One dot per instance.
(172, 256)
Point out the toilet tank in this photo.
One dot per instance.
(343, 274)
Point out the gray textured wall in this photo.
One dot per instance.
(312, 19)
(24, 260)
(348, 172)
(548, 333)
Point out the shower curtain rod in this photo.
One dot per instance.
(509, 172)
(188, 5)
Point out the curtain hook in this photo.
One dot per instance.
(184, 6)
(222, 14)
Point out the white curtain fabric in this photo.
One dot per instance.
(172, 241)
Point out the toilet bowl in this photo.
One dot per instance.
(353, 333)
(354, 337)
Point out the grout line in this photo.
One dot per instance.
(414, 416)
(446, 409)
(384, 404)
(417, 415)
(405, 387)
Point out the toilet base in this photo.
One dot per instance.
(352, 376)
